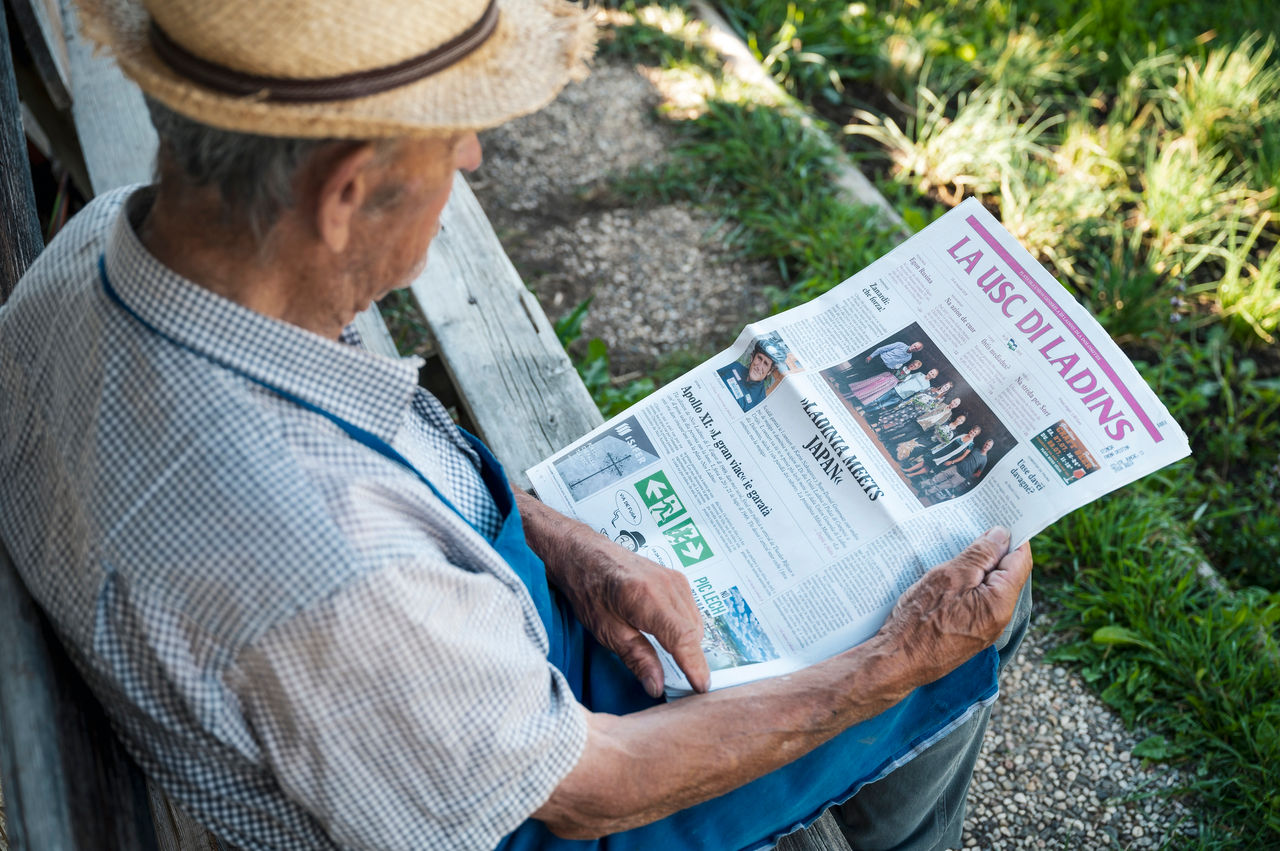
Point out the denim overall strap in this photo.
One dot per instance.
(510, 544)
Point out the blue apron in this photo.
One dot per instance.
(752, 816)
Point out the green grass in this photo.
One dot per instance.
(1167, 651)
(761, 170)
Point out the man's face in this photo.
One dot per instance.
(986, 447)
(402, 214)
(761, 364)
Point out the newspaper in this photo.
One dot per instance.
(808, 475)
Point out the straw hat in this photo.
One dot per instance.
(346, 68)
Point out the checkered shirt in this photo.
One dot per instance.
(298, 640)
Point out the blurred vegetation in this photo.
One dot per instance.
(1134, 146)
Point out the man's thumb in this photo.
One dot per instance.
(985, 552)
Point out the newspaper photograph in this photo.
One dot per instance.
(805, 477)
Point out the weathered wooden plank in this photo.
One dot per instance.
(823, 835)
(58, 758)
(40, 22)
(111, 119)
(67, 781)
(20, 240)
(51, 129)
(513, 377)
(374, 332)
(175, 830)
(36, 810)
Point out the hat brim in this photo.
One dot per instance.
(537, 47)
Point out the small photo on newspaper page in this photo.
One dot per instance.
(606, 459)
(1065, 453)
(931, 425)
(732, 634)
(758, 371)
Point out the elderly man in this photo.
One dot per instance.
(313, 608)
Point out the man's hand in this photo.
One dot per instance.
(960, 606)
(617, 594)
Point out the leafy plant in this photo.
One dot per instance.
(1224, 99)
(973, 145)
(1134, 301)
(1249, 291)
(611, 397)
(1190, 199)
(1168, 650)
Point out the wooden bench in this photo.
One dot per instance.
(66, 780)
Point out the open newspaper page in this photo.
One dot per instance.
(808, 475)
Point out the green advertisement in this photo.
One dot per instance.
(688, 543)
(668, 511)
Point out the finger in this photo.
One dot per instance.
(642, 660)
(686, 638)
(677, 624)
(1005, 582)
(686, 649)
(1013, 570)
(680, 634)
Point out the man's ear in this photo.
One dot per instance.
(344, 184)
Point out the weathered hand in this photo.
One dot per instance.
(959, 607)
(618, 594)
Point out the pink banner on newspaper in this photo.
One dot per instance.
(1069, 325)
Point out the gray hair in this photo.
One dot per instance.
(254, 175)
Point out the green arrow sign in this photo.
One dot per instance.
(660, 498)
(688, 543)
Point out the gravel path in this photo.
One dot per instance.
(661, 279)
(1057, 770)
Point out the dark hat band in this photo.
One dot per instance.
(342, 87)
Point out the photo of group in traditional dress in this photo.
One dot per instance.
(924, 416)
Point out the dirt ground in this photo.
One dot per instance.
(661, 279)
